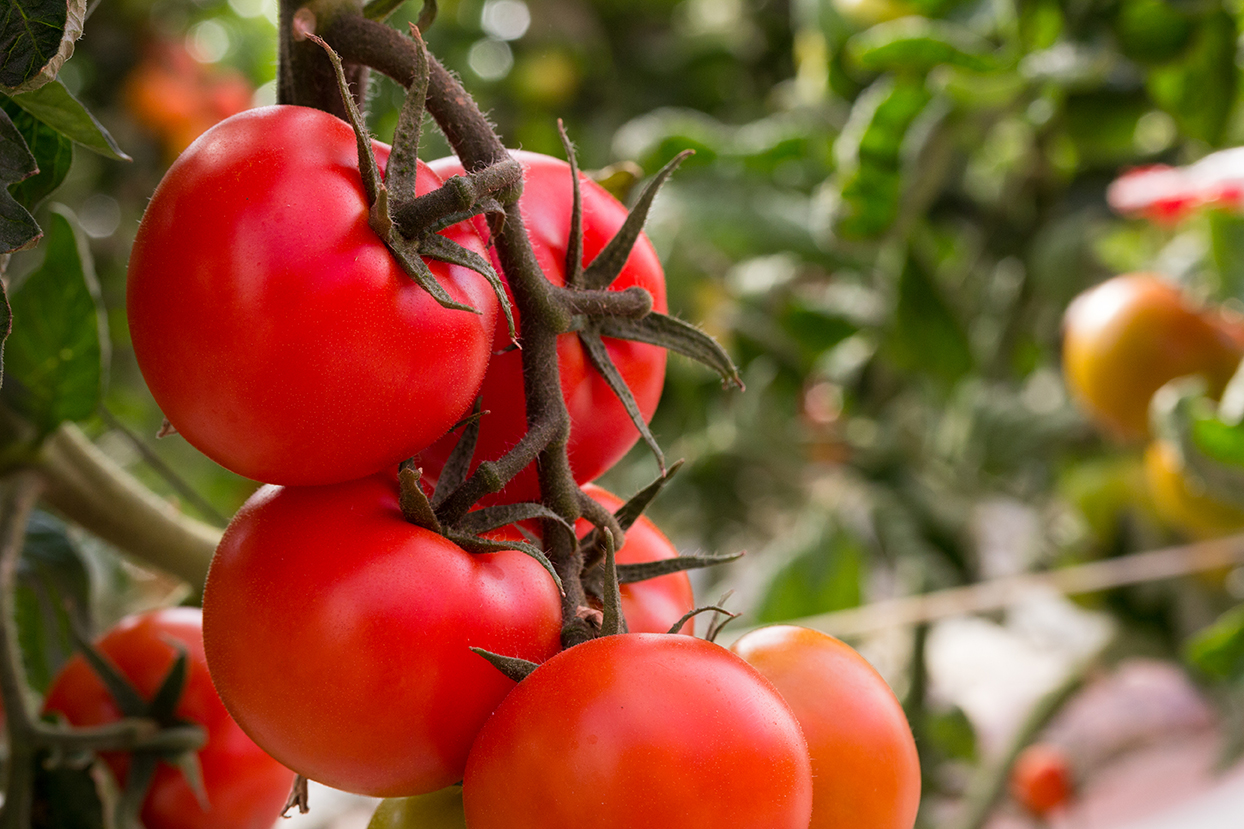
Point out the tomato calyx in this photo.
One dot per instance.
(160, 709)
(409, 244)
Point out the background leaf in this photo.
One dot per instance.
(56, 106)
(51, 574)
(36, 36)
(52, 151)
(58, 351)
(18, 228)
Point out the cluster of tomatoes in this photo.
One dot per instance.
(1126, 338)
(281, 337)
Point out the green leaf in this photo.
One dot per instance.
(36, 37)
(1199, 90)
(52, 583)
(18, 229)
(952, 732)
(67, 798)
(57, 355)
(1219, 649)
(926, 336)
(1226, 236)
(52, 151)
(1152, 31)
(822, 578)
(869, 182)
(56, 107)
(916, 44)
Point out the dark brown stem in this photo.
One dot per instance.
(633, 303)
(544, 315)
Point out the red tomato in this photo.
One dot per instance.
(639, 731)
(866, 774)
(338, 635)
(274, 328)
(246, 788)
(1127, 337)
(1041, 778)
(600, 431)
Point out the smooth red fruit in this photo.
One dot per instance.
(246, 789)
(274, 328)
(866, 774)
(1127, 337)
(1041, 778)
(600, 430)
(639, 731)
(338, 635)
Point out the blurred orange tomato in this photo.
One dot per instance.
(178, 98)
(1041, 778)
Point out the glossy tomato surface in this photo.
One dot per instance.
(638, 731)
(246, 789)
(274, 328)
(1041, 778)
(600, 431)
(338, 635)
(1127, 337)
(866, 774)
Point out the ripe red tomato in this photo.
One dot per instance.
(600, 430)
(274, 328)
(1127, 337)
(866, 774)
(338, 635)
(637, 731)
(246, 788)
(1041, 778)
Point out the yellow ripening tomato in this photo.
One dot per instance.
(1127, 337)
(1198, 514)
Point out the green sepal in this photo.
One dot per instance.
(490, 518)
(163, 705)
(123, 693)
(600, 359)
(458, 464)
(402, 170)
(435, 246)
(675, 335)
(610, 261)
(691, 614)
(629, 513)
(512, 666)
(475, 544)
(630, 573)
(142, 771)
(613, 621)
(413, 501)
(574, 246)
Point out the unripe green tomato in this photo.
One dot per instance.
(438, 810)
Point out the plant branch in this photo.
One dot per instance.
(90, 489)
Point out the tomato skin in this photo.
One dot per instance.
(1127, 337)
(653, 605)
(274, 328)
(600, 430)
(866, 773)
(1198, 514)
(637, 731)
(438, 810)
(1041, 778)
(338, 634)
(246, 788)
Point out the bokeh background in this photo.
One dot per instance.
(890, 206)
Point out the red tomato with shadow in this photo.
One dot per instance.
(246, 789)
